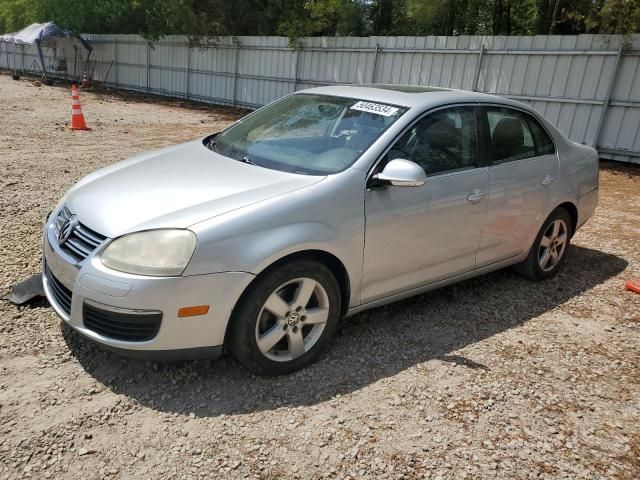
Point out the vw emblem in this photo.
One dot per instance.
(66, 229)
(293, 319)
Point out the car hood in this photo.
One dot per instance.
(174, 187)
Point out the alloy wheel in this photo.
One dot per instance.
(292, 319)
(552, 245)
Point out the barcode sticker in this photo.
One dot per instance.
(377, 108)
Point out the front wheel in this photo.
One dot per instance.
(286, 318)
(549, 248)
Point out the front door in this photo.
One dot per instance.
(419, 235)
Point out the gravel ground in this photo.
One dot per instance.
(494, 377)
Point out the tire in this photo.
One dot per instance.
(275, 332)
(549, 248)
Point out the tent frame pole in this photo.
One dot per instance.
(86, 67)
(40, 54)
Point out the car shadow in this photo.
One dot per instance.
(372, 345)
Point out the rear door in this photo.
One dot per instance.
(522, 167)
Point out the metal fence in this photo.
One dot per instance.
(588, 85)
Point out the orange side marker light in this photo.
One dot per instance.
(193, 311)
(633, 285)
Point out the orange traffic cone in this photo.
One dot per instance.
(77, 118)
(633, 285)
(85, 80)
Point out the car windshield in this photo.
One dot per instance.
(307, 133)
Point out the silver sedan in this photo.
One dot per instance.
(322, 204)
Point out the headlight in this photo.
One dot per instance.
(162, 253)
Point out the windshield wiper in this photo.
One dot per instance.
(211, 145)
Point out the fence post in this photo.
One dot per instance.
(607, 97)
(295, 71)
(148, 67)
(476, 75)
(236, 43)
(375, 63)
(188, 68)
(115, 60)
(15, 59)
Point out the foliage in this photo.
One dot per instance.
(16, 14)
(297, 18)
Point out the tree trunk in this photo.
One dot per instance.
(383, 17)
(553, 17)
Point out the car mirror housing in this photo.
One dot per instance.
(402, 173)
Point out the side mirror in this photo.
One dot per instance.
(402, 173)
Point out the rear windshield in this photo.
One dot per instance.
(307, 133)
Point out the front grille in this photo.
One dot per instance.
(61, 294)
(82, 241)
(128, 327)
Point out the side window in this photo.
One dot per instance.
(516, 135)
(544, 144)
(511, 137)
(440, 142)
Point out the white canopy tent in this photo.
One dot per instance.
(44, 35)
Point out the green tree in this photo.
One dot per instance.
(388, 17)
(615, 16)
(16, 14)
(154, 19)
(326, 17)
(448, 17)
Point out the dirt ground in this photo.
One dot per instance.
(494, 377)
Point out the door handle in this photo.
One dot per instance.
(476, 196)
(548, 180)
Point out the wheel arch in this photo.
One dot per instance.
(566, 205)
(572, 210)
(333, 263)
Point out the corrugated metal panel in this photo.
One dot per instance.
(567, 78)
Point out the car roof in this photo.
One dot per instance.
(410, 96)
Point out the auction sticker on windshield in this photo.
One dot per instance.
(377, 108)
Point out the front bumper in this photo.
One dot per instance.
(91, 282)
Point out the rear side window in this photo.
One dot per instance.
(544, 145)
(514, 135)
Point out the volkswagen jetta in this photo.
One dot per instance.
(322, 204)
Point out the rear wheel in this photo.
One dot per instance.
(286, 318)
(549, 248)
